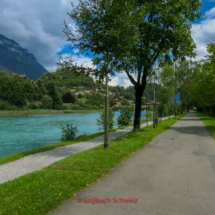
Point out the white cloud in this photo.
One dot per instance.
(36, 26)
(120, 79)
(204, 33)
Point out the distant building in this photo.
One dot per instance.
(63, 87)
(68, 98)
(35, 83)
(21, 76)
(89, 91)
(73, 91)
(116, 100)
(38, 103)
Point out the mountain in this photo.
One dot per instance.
(15, 59)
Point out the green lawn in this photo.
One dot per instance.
(43, 191)
(209, 122)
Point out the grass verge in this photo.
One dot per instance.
(209, 122)
(43, 191)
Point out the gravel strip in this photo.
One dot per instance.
(40, 160)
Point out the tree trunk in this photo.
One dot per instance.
(154, 106)
(146, 111)
(175, 103)
(106, 114)
(137, 115)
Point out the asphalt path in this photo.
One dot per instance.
(172, 175)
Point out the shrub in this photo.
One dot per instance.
(47, 102)
(148, 115)
(33, 105)
(5, 105)
(77, 107)
(58, 107)
(80, 103)
(95, 107)
(125, 116)
(66, 107)
(161, 109)
(69, 132)
(101, 120)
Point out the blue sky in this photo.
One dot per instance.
(37, 26)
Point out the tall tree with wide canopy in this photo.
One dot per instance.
(163, 32)
(131, 35)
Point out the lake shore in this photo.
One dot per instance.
(42, 112)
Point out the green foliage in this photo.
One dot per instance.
(17, 90)
(95, 107)
(66, 78)
(69, 132)
(56, 99)
(162, 110)
(5, 105)
(47, 102)
(148, 115)
(125, 116)
(95, 99)
(33, 105)
(77, 107)
(148, 31)
(101, 120)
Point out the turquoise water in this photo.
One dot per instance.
(21, 133)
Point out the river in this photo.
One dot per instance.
(21, 133)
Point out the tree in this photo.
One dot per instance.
(168, 82)
(101, 121)
(125, 116)
(52, 92)
(148, 31)
(163, 32)
(97, 30)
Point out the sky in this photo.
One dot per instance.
(37, 26)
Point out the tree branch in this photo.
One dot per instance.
(131, 78)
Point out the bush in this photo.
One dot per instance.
(5, 105)
(33, 105)
(80, 103)
(47, 102)
(148, 115)
(161, 110)
(80, 96)
(95, 107)
(69, 132)
(101, 121)
(125, 116)
(66, 107)
(58, 107)
(77, 107)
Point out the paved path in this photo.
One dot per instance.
(40, 160)
(172, 175)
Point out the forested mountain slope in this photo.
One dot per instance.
(15, 59)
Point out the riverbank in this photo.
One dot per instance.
(42, 112)
(43, 191)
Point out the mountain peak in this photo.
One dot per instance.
(15, 59)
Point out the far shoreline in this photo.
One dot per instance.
(5, 113)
